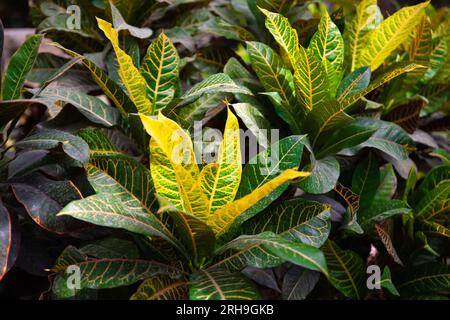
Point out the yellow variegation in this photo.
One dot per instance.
(368, 16)
(174, 168)
(309, 73)
(133, 81)
(222, 219)
(208, 194)
(220, 180)
(393, 31)
(327, 44)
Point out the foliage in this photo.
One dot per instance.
(105, 156)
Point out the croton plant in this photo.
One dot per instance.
(227, 149)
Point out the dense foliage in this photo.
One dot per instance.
(90, 170)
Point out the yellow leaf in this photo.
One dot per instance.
(173, 165)
(222, 219)
(220, 180)
(133, 81)
(393, 31)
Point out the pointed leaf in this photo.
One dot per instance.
(392, 32)
(220, 180)
(21, 63)
(295, 220)
(347, 270)
(354, 83)
(173, 166)
(160, 69)
(220, 284)
(91, 107)
(162, 288)
(133, 81)
(223, 218)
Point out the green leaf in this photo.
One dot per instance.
(425, 278)
(108, 86)
(393, 31)
(160, 68)
(265, 166)
(326, 117)
(276, 77)
(438, 58)
(386, 282)
(21, 63)
(388, 184)
(368, 16)
(110, 273)
(219, 180)
(327, 44)
(420, 50)
(217, 82)
(219, 27)
(295, 220)
(196, 235)
(309, 73)
(434, 177)
(162, 288)
(73, 146)
(111, 248)
(354, 83)
(366, 179)
(390, 73)
(349, 136)
(120, 24)
(434, 228)
(380, 211)
(91, 107)
(323, 178)
(255, 121)
(220, 284)
(295, 252)
(347, 270)
(436, 202)
(389, 138)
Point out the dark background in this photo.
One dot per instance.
(14, 13)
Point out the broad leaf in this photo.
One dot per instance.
(354, 83)
(295, 220)
(298, 282)
(8, 239)
(310, 80)
(380, 211)
(327, 44)
(425, 278)
(368, 16)
(324, 175)
(366, 178)
(133, 81)
(387, 75)
(223, 218)
(275, 77)
(435, 203)
(349, 136)
(392, 32)
(173, 166)
(220, 179)
(21, 63)
(298, 253)
(347, 270)
(220, 284)
(110, 273)
(160, 69)
(73, 146)
(162, 288)
(282, 155)
(91, 107)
